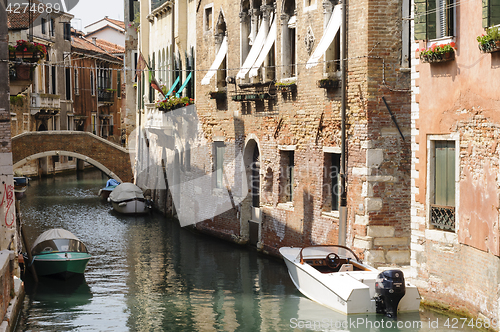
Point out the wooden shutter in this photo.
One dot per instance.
(420, 23)
(444, 179)
(491, 13)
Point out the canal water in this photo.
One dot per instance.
(148, 274)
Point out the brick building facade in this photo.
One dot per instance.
(269, 102)
(455, 159)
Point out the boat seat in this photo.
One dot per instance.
(346, 268)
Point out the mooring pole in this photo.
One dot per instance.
(25, 242)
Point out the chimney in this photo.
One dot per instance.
(94, 40)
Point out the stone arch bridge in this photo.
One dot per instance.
(111, 159)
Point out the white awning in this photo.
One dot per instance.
(217, 62)
(331, 30)
(271, 37)
(254, 53)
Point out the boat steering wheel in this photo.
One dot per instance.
(333, 260)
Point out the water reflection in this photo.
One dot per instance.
(148, 274)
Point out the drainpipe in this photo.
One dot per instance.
(343, 187)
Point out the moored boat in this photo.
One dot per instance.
(127, 198)
(335, 277)
(111, 184)
(58, 252)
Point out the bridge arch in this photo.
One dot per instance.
(111, 159)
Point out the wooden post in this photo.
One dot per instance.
(25, 242)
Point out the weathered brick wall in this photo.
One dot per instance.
(378, 195)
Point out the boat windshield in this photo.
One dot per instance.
(59, 245)
(322, 251)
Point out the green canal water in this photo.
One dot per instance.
(148, 274)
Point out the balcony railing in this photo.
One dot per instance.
(105, 95)
(44, 101)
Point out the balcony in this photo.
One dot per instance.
(106, 95)
(43, 101)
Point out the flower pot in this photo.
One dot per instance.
(22, 72)
(490, 47)
(434, 58)
(287, 88)
(328, 84)
(218, 95)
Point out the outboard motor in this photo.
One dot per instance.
(389, 290)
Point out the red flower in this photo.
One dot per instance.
(433, 47)
(452, 44)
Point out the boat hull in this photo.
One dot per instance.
(135, 206)
(346, 292)
(61, 264)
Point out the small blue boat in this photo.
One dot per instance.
(110, 186)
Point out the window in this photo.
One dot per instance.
(119, 84)
(67, 72)
(70, 122)
(219, 164)
(331, 182)
(289, 36)
(44, 25)
(434, 19)
(92, 82)
(442, 201)
(287, 165)
(208, 18)
(77, 83)
(491, 13)
(133, 9)
(67, 31)
(52, 27)
(53, 77)
(94, 124)
(111, 125)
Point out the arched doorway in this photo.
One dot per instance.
(251, 209)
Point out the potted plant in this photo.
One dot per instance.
(286, 86)
(437, 53)
(328, 83)
(489, 42)
(173, 102)
(218, 95)
(28, 51)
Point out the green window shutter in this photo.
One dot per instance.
(491, 13)
(486, 18)
(444, 180)
(420, 22)
(494, 12)
(431, 19)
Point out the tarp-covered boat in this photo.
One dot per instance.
(58, 252)
(128, 198)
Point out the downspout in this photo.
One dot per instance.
(343, 189)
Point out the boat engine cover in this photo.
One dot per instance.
(389, 290)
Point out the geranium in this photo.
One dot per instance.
(173, 102)
(488, 42)
(29, 47)
(436, 52)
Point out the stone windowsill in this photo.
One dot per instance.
(285, 206)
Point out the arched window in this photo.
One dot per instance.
(289, 39)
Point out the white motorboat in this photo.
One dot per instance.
(127, 198)
(335, 277)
